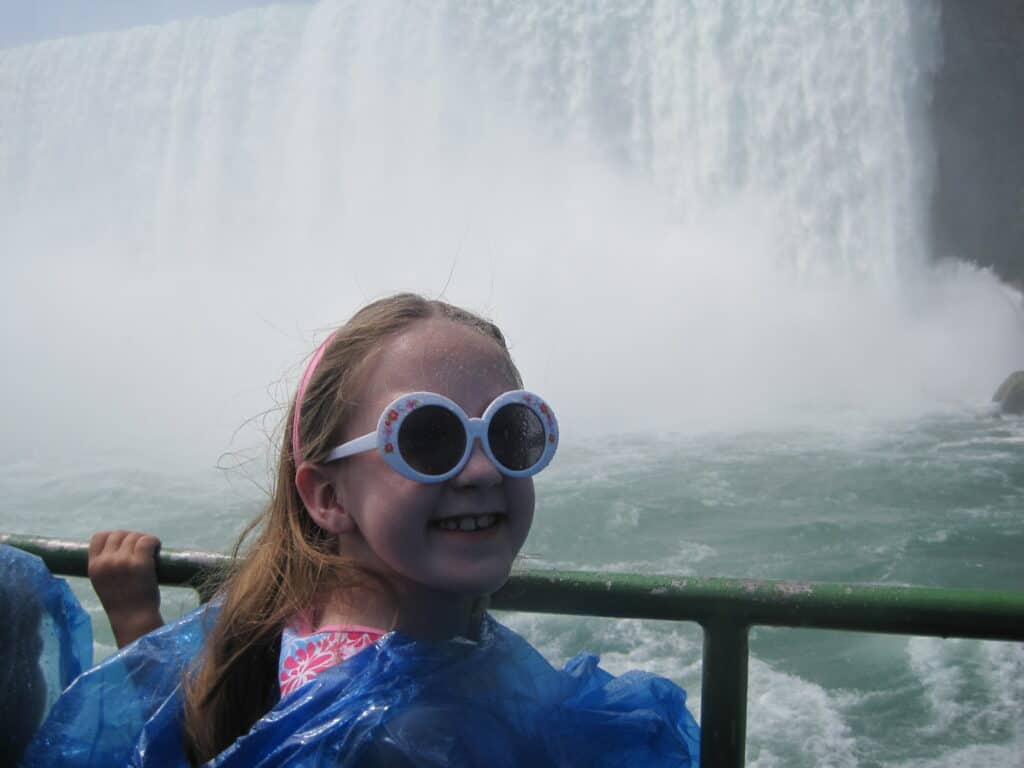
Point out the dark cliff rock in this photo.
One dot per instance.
(1010, 394)
(978, 113)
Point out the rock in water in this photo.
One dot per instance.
(1010, 394)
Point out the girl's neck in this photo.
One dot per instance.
(415, 610)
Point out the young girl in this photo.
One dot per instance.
(352, 632)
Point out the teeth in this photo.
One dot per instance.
(467, 523)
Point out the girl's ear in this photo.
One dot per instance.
(317, 489)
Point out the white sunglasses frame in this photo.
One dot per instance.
(384, 439)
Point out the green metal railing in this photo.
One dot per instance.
(726, 609)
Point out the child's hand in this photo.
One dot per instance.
(122, 569)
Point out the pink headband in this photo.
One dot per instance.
(314, 361)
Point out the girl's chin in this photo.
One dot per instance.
(475, 583)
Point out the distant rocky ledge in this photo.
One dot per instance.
(1010, 394)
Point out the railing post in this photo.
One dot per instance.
(723, 694)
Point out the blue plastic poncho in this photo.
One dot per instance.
(400, 702)
(45, 642)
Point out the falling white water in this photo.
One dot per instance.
(684, 215)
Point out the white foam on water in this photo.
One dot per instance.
(973, 756)
(975, 692)
(662, 648)
(1002, 669)
(936, 663)
(792, 722)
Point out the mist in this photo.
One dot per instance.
(682, 221)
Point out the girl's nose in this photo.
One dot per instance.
(479, 471)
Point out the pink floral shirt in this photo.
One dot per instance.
(305, 654)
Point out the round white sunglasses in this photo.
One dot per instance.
(427, 437)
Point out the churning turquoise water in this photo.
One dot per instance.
(938, 501)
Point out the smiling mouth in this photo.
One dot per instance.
(467, 523)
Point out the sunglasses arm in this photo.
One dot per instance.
(360, 445)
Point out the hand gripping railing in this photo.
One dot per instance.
(725, 608)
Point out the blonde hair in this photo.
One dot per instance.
(292, 561)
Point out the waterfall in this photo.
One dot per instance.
(716, 210)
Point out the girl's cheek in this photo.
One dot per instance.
(418, 496)
(521, 495)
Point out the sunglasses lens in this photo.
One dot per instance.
(516, 435)
(432, 440)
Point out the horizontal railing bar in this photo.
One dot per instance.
(175, 567)
(929, 611)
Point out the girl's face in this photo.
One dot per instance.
(398, 522)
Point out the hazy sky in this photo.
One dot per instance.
(26, 21)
